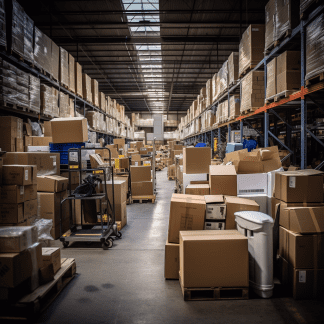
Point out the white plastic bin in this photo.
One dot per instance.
(258, 228)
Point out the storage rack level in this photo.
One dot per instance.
(103, 233)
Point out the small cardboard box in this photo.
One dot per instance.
(171, 261)
(299, 186)
(20, 175)
(12, 213)
(196, 159)
(12, 194)
(52, 183)
(144, 188)
(187, 212)
(52, 255)
(215, 207)
(41, 141)
(218, 259)
(140, 173)
(69, 130)
(120, 142)
(197, 189)
(30, 192)
(222, 180)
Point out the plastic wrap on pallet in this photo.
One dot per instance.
(233, 66)
(251, 48)
(218, 83)
(78, 79)
(92, 117)
(22, 88)
(46, 100)
(102, 101)
(3, 34)
(271, 23)
(252, 91)
(55, 106)
(223, 77)
(209, 118)
(71, 73)
(34, 93)
(305, 4)
(209, 93)
(214, 87)
(95, 92)
(18, 28)
(225, 111)
(202, 121)
(86, 84)
(287, 16)
(234, 106)
(29, 39)
(271, 78)
(64, 67)
(71, 104)
(315, 47)
(64, 105)
(101, 122)
(218, 113)
(42, 51)
(55, 59)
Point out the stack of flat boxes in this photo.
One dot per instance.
(233, 67)
(141, 181)
(64, 67)
(86, 84)
(11, 134)
(95, 92)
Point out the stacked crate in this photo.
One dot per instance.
(86, 85)
(64, 67)
(71, 73)
(233, 68)
(78, 80)
(95, 92)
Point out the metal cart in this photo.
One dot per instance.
(107, 230)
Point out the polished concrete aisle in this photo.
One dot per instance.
(126, 283)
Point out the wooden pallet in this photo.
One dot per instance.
(14, 106)
(282, 37)
(31, 305)
(79, 95)
(270, 47)
(140, 199)
(248, 111)
(64, 85)
(190, 294)
(315, 79)
(71, 90)
(247, 69)
(171, 178)
(284, 94)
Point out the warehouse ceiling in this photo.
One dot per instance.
(149, 55)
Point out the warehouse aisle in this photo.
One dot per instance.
(126, 283)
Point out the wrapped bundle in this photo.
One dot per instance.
(18, 28)
(78, 80)
(3, 34)
(42, 51)
(272, 78)
(305, 4)
(86, 84)
(64, 105)
(95, 92)
(223, 77)
(102, 102)
(71, 101)
(71, 73)
(34, 93)
(64, 67)
(46, 100)
(233, 67)
(22, 88)
(29, 39)
(234, 107)
(8, 82)
(55, 106)
(214, 87)
(209, 93)
(270, 26)
(287, 17)
(55, 59)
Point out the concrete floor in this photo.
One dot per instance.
(126, 283)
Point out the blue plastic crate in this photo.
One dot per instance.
(63, 149)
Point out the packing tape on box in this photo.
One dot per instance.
(34, 279)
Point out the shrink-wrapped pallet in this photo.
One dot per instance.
(287, 17)
(209, 93)
(219, 113)
(234, 107)
(22, 88)
(42, 51)
(28, 39)
(64, 67)
(225, 109)
(3, 30)
(210, 118)
(71, 73)
(223, 77)
(102, 101)
(64, 105)
(251, 48)
(315, 47)
(8, 82)
(252, 91)
(34, 93)
(270, 23)
(78, 79)
(214, 87)
(18, 28)
(55, 52)
(272, 78)
(92, 117)
(46, 100)
(288, 71)
(86, 85)
(55, 105)
(71, 101)
(203, 92)
(95, 92)
(305, 4)
(233, 67)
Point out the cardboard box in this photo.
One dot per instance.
(47, 163)
(222, 180)
(303, 251)
(19, 142)
(30, 208)
(78, 79)
(20, 175)
(52, 255)
(171, 261)
(144, 188)
(214, 260)
(252, 184)
(10, 129)
(12, 213)
(53, 183)
(17, 267)
(12, 194)
(187, 212)
(197, 189)
(17, 239)
(69, 130)
(28, 141)
(47, 129)
(30, 192)
(235, 204)
(120, 142)
(272, 78)
(262, 200)
(140, 173)
(196, 159)
(299, 186)
(215, 207)
(41, 141)
(122, 163)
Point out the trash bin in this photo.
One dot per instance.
(258, 228)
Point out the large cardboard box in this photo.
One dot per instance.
(120, 142)
(302, 251)
(12, 213)
(52, 255)
(71, 73)
(218, 259)
(171, 261)
(30, 192)
(272, 78)
(69, 130)
(41, 141)
(140, 173)
(78, 79)
(20, 175)
(197, 189)
(53, 183)
(144, 188)
(196, 159)
(30, 208)
(222, 180)
(12, 194)
(299, 186)
(10, 129)
(47, 163)
(187, 212)
(235, 204)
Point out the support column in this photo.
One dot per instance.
(229, 133)
(219, 136)
(241, 131)
(266, 129)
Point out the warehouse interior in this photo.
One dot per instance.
(161, 161)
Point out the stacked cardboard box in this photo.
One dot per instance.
(64, 105)
(251, 48)
(8, 82)
(141, 182)
(64, 67)
(234, 106)
(22, 97)
(197, 189)
(18, 26)
(34, 93)
(271, 78)
(252, 91)
(270, 26)
(95, 92)
(28, 39)
(86, 84)
(78, 80)
(196, 160)
(233, 68)
(11, 134)
(215, 87)
(42, 50)
(102, 102)
(55, 60)
(209, 94)
(223, 77)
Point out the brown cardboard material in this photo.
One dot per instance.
(53, 183)
(41, 141)
(197, 189)
(140, 173)
(235, 204)
(171, 261)
(12, 213)
(52, 255)
(19, 142)
(299, 186)
(20, 175)
(303, 251)
(144, 188)
(222, 180)
(214, 260)
(28, 141)
(30, 192)
(11, 128)
(47, 129)
(120, 142)
(187, 212)
(69, 130)
(196, 159)
(12, 194)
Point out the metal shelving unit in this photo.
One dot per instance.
(297, 101)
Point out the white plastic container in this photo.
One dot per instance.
(258, 228)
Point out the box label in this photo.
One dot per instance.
(292, 182)
(73, 156)
(251, 191)
(255, 29)
(54, 160)
(26, 175)
(21, 189)
(136, 163)
(302, 276)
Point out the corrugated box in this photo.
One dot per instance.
(12, 194)
(10, 129)
(41, 140)
(140, 173)
(215, 207)
(270, 26)
(196, 159)
(52, 183)
(144, 188)
(171, 261)
(42, 50)
(64, 67)
(52, 255)
(20, 175)
(95, 92)
(272, 78)
(197, 189)
(78, 80)
(233, 68)
(55, 51)
(71, 73)
(86, 86)
(234, 106)
(222, 180)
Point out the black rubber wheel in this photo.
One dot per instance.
(105, 246)
(66, 244)
(110, 243)
(119, 235)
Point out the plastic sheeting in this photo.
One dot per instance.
(3, 34)
(42, 51)
(305, 4)
(223, 77)
(22, 88)
(46, 100)
(95, 92)
(8, 82)
(233, 66)
(55, 59)
(64, 67)
(18, 27)
(86, 85)
(34, 93)
(270, 20)
(71, 73)
(287, 17)
(28, 39)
